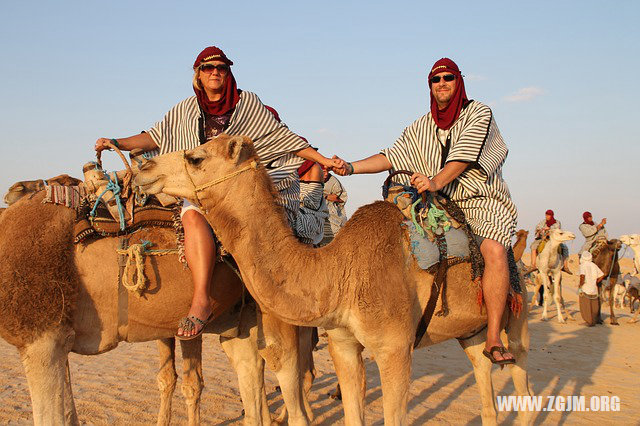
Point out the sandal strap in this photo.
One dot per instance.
(195, 319)
(186, 324)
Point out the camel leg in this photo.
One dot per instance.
(278, 345)
(346, 353)
(612, 284)
(518, 343)
(482, 371)
(242, 352)
(192, 382)
(557, 296)
(538, 284)
(547, 295)
(394, 364)
(166, 378)
(307, 343)
(45, 362)
(70, 413)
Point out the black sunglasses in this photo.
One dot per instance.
(446, 77)
(208, 68)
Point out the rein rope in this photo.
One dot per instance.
(114, 187)
(135, 256)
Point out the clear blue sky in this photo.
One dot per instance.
(561, 78)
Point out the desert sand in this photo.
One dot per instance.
(119, 387)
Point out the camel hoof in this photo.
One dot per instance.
(614, 323)
(543, 319)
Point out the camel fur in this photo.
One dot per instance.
(549, 274)
(633, 241)
(58, 298)
(367, 289)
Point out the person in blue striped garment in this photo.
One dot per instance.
(457, 149)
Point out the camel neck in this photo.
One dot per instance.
(281, 273)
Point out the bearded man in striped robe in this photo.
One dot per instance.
(456, 148)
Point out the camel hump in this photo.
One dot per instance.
(38, 279)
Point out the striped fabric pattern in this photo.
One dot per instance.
(480, 191)
(274, 142)
(337, 217)
(313, 213)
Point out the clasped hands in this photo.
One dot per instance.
(421, 182)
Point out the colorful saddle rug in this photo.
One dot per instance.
(104, 225)
(426, 251)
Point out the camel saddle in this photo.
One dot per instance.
(102, 223)
(440, 237)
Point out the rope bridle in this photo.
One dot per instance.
(199, 188)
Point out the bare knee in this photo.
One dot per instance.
(494, 253)
(195, 222)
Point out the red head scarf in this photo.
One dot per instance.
(552, 220)
(588, 218)
(230, 95)
(445, 118)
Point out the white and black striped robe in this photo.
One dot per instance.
(274, 142)
(480, 190)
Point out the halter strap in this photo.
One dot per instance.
(252, 166)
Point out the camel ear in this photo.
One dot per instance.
(239, 149)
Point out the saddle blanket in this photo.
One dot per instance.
(426, 252)
(69, 196)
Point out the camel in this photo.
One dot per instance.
(191, 349)
(605, 255)
(58, 298)
(28, 187)
(367, 289)
(633, 241)
(550, 273)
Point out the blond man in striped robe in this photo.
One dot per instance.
(219, 106)
(457, 149)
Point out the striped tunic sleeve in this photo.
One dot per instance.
(479, 141)
(178, 129)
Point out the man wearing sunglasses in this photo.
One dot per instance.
(219, 106)
(457, 149)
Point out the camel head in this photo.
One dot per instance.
(561, 235)
(522, 234)
(632, 240)
(22, 189)
(180, 173)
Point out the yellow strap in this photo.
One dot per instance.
(253, 165)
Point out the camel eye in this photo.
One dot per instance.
(195, 161)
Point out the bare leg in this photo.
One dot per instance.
(192, 382)
(346, 353)
(495, 286)
(166, 378)
(200, 251)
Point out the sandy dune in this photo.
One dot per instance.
(119, 387)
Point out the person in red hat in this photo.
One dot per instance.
(456, 148)
(219, 106)
(591, 231)
(542, 232)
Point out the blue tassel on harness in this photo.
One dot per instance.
(115, 188)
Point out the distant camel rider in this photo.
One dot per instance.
(591, 231)
(542, 234)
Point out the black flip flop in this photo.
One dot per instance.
(500, 349)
